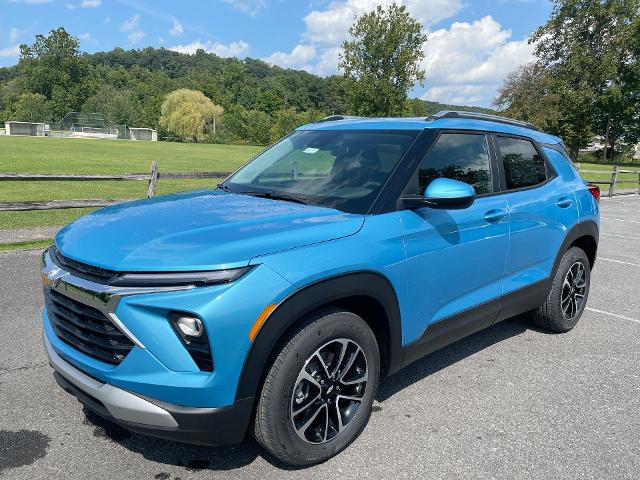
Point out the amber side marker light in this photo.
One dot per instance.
(260, 320)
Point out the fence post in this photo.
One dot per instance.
(614, 179)
(153, 179)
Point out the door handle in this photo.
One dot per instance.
(495, 215)
(564, 202)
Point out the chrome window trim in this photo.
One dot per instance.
(104, 298)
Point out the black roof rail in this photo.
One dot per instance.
(333, 118)
(481, 116)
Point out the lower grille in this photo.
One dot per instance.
(86, 328)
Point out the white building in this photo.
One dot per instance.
(25, 128)
(146, 134)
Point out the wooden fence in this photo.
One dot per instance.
(155, 175)
(152, 179)
(614, 181)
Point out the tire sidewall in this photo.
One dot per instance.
(322, 329)
(572, 256)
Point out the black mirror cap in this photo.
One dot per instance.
(417, 201)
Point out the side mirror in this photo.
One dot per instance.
(443, 193)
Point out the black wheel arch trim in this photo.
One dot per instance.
(309, 298)
(587, 228)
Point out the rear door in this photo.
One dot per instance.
(541, 209)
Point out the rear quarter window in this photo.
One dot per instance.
(523, 165)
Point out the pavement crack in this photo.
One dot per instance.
(7, 371)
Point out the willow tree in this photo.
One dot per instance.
(188, 113)
(381, 61)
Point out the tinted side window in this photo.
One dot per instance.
(523, 166)
(459, 156)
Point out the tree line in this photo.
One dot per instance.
(251, 101)
(585, 83)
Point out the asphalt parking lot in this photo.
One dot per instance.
(508, 402)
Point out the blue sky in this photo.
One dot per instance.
(472, 43)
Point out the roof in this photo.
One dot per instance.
(421, 123)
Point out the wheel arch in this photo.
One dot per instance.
(584, 235)
(366, 293)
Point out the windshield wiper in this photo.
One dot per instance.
(276, 196)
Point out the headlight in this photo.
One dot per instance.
(173, 279)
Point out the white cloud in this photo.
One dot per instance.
(87, 37)
(90, 3)
(328, 63)
(13, 51)
(130, 24)
(31, 2)
(250, 7)
(135, 36)
(467, 62)
(298, 58)
(107, 19)
(177, 29)
(331, 26)
(233, 49)
(14, 35)
(457, 94)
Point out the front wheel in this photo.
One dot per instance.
(317, 395)
(568, 296)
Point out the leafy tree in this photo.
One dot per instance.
(188, 113)
(52, 67)
(382, 61)
(285, 121)
(32, 107)
(118, 105)
(585, 46)
(530, 94)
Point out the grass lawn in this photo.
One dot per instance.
(28, 245)
(64, 155)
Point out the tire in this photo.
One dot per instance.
(288, 400)
(557, 314)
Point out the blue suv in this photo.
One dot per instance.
(275, 303)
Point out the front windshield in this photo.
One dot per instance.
(342, 169)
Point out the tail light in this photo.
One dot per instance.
(595, 191)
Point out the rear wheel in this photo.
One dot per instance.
(568, 296)
(318, 393)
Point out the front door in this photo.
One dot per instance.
(455, 257)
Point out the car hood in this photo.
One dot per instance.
(200, 230)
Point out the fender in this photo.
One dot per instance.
(309, 298)
(588, 228)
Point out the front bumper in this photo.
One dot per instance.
(202, 426)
